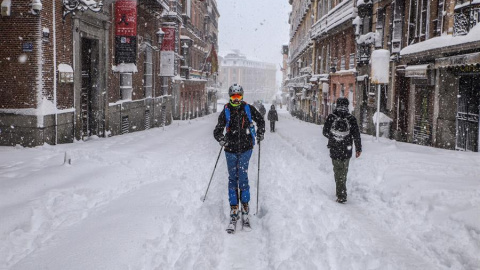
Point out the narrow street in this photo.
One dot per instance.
(134, 202)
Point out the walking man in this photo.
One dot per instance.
(342, 131)
(237, 118)
(272, 117)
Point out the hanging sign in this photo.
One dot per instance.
(169, 39)
(126, 18)
(167, 53)
(125, 31)
(167, 63)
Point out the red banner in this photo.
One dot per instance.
(126, 18)
(169, 39)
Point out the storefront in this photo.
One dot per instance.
(422, 82)
(463, 73)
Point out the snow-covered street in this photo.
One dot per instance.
(134, 202)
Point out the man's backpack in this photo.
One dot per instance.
(340, 128)
(249, 116)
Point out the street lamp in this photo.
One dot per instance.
(160, 36)
(185, 57)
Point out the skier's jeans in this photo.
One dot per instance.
(238, 176)
(340, 170)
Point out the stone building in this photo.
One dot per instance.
(257, 78)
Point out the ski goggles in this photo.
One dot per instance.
(236, 97)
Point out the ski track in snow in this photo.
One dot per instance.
(147, 212)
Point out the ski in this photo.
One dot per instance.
(232, 226)
(246, 224)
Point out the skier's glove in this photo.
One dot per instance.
(222, 142)
(259, 137)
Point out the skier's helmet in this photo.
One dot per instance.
(235, 89)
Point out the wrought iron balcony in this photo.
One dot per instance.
(363, 54)
(465, 18)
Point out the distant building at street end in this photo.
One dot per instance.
(257, 78)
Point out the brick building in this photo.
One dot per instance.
(72, 70)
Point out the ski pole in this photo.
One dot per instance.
(204, 197)
(258, 175)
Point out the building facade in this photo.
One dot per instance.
(89, 68)
(432, 96)
(257, 78)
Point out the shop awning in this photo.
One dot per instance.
(417, 71)
(458, 60)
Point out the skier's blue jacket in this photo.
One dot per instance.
(238, 121)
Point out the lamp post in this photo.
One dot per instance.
(160, 35)
(185, 57)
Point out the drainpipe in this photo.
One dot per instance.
(55, 70)
(39, 82)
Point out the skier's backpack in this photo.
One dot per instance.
(249, 116)
(340, 128)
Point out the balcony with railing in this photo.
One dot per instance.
(465, 18)
(340, 14)
(299, 17)
(302, 45)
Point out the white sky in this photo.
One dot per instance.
(133, 202)
(258, 28)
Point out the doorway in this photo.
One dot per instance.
(422, 129)
(467, 113)
(89, 96)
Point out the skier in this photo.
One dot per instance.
(272, 117)
(237, 118)
(342, 130)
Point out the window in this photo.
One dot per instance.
(424, 20)
(413, 22)
(438, 22)
(342, 90)
(126, 85)
(398, 10)
(379, 27)
(148, 71)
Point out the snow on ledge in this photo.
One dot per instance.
(443, 41)
(125, 68)
(65, 68)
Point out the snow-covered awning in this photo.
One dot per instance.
(458, 60)
(417, 71)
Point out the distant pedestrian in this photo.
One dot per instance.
(342, 131)
(272, 117)
(262, 109)
(237, 119)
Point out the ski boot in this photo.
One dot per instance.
(232, 226)
(245, 218)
